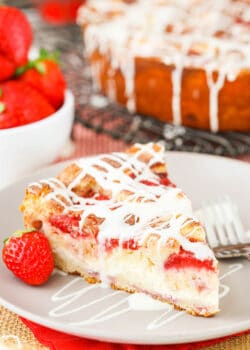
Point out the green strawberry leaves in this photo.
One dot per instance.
(2, 107)
(38, 62)
(18, 233)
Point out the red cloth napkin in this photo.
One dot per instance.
(60, 341)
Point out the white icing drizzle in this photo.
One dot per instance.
(99, 101)
(128, 70)
(159, 210)
(176, 83)
(214, 89)
(183, 34)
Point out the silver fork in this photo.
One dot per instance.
(225, 232)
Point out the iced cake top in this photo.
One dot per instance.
(129, 197)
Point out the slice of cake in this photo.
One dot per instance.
(117, 218)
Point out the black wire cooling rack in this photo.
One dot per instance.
(111, 118)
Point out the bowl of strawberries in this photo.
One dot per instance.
(36, 108)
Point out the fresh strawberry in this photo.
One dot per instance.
(59, 12)
(21, 104)
(28, 255)
(73, 6)
(54, 11)
(15, 34)
(44, 75)
(7, 68)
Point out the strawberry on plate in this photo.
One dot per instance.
(21, 104)
(28, 255)
(15, 35)
(45, 76)
(7, 68)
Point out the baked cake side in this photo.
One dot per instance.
(187, 62)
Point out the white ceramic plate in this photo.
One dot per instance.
(69, 304)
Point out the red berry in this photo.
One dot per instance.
(58, 12)
(73, 6)
(28, 255)
(54, 11)
(21, 104)
(7, 68)
(15, 34)
(47, 78)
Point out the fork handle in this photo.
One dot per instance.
(233, 251)
(230, 255)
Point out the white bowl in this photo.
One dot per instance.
(29, 147)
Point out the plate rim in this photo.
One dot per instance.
(68, 161)
(88, 332)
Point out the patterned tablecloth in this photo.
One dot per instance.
(13, 333)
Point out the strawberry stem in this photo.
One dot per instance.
(5, 241)
(19, 233)
(40, 67)
(2, 107)
(38, 62)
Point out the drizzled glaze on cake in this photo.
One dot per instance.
(212, 35)
(131, 201)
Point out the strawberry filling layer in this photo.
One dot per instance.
(65, 223)
(102, 197)
(185, 259)
(114, 243)
(69, 224)
(163, 180)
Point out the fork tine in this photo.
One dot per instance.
(207, 221)
(219, 227)
(236, 222)
(225, 233)
(214, 227)
(229, 218)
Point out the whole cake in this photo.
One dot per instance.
(183, 61)
(117, 218)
